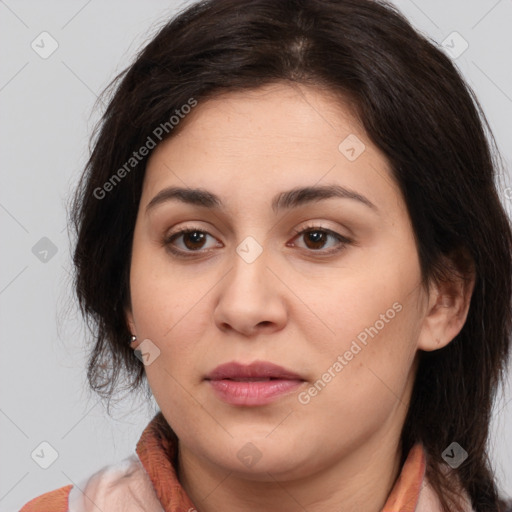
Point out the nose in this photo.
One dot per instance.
(251, 297)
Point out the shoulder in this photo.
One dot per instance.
(123, 486)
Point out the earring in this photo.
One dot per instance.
(132, 338)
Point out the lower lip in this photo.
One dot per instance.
(253, 393)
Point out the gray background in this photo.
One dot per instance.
(47, 118)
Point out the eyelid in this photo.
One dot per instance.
(316, 225)
(168, 238)
(343, 241)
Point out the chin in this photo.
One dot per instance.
(258, 460)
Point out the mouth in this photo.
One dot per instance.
(256, 384)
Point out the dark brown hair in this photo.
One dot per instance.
(414, 106)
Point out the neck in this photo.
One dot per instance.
(362, 480)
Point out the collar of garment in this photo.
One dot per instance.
(149, 480)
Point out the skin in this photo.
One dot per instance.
(290, 306)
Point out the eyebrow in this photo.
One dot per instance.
(286, 200)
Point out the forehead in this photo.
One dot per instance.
(266, 140)
(273, 116)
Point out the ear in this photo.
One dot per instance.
(448, 305)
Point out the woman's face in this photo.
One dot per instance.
(343, 316)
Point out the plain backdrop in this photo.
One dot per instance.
(46, 120)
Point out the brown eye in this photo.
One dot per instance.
(192, 240)
(315, 238)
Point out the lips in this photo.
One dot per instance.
(252, 385)
(257, 371)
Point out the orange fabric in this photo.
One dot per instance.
(157, 452)
(53, 501)
(405, 493)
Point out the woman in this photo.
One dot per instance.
(290, 217)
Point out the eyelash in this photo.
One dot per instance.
(311, 228)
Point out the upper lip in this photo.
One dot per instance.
(262, 369)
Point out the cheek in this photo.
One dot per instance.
(371, 305)
(374, 323)
(159, 296)
(364, 376)
(172, 313)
